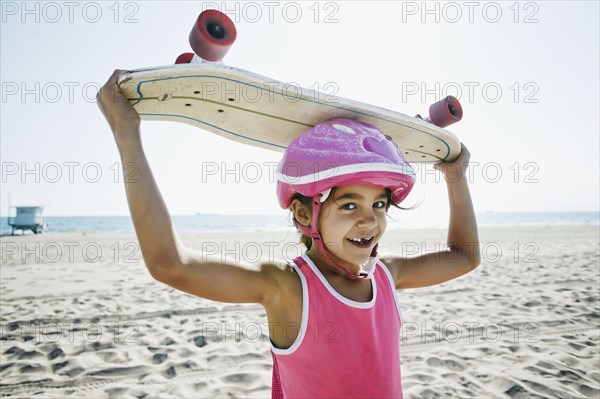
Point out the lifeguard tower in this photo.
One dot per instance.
(28, 218)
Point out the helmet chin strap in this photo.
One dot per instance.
(367, 269)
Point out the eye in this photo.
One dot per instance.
(380, 204)
(349, 206)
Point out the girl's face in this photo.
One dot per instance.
(352, 221)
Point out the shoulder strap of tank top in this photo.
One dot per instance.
(299, 261)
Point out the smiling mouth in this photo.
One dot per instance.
(361, 242)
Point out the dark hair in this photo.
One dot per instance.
(307, 203)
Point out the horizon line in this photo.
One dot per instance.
(279, 214)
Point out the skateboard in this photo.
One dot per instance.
(246, 107)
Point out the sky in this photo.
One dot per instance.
(526, 73)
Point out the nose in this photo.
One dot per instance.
(367, 219)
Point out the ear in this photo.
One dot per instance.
(301, 213)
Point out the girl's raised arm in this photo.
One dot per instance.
(463, 253)
(164, 255)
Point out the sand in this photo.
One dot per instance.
(81, 317)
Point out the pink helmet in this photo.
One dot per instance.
(341, 152)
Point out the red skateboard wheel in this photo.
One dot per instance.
(212, 35)
(445, 112)
(184, 58)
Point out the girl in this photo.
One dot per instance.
(338, 179)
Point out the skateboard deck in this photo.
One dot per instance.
(252, 109)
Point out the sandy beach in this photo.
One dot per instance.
(81, 317)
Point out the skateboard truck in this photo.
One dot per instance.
(211, 37)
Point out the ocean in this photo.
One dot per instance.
(244, 223)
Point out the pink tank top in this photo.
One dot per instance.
(344, 348)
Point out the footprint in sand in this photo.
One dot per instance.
(6, 366)
(537, 349)
(187, 365)
(168, 341)
(30, 355)
(517, 391)
(426, 378)
(58, 366)
(454, 366)
(74, 372)
(532, 303)
(428, 393)
(14, 350)
(449, 364)
(107, 356)
(33, 368)
(569, 375)
(577, 347)
(539, 371)
(241, 378)
(588, 391)
(154, 349)
(116, 392)
(120, 371)
(54, 353)
(200, 341)
(170, 372)
(545, 365)
(98, 346)
(159, 357)
(185, 352)
(543, 390)
(227, 360)
(434, 362)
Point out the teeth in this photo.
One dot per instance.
(360, 239)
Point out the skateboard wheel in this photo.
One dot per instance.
(445, 112)
(212, 35)
(184, 58)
